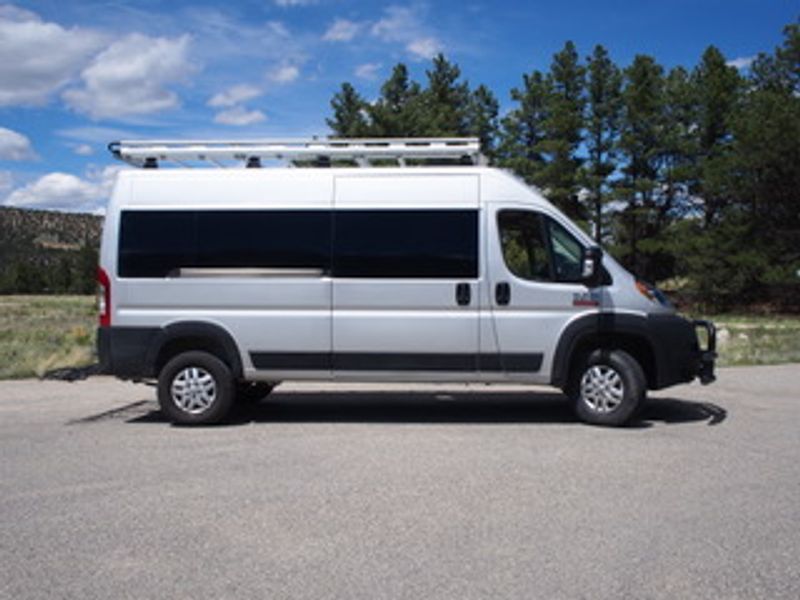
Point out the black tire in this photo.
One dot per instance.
(607, 387)
(250, 392)
(195, 388)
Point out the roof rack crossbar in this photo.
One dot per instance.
(361, 151)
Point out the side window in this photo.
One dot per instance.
(406, 244)
(158, 243)
(566, 253)
(537, 248)
(523, 243)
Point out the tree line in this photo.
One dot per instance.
(690, 177)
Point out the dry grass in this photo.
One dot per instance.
(747, 340)
(39, 333)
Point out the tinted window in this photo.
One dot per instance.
(524, 244)
(566, 251)
(157, 243)
(537, 248)
(406, 243)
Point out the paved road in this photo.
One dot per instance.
(377, 492)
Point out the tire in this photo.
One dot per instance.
(195, 388)
(251, 392)
(607, 387)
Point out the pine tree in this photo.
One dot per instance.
(522, 129)
(482, 114)
(717, 87)
(445, 100)
(640, 147)
(349, 114)
(563, 126)
(604, 111)
(395, 114)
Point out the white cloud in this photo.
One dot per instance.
(743, 62)
(404, 25)
(395, 25)
(83, 149)
(341, 30)
(367, 71)
(284, 74)
(15, 146)
(132, 77)
(239, 115)
(63, 191)
(234, 95)
(295, 2)
(39, 57)
(424, 48)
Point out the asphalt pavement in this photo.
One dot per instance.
(389, 491)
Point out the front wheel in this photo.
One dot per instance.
(607, 387)
(195, 388)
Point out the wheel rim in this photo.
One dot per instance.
(193, 390)
(602, 389)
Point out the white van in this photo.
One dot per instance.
(222, 282)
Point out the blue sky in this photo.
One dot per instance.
(75, 75)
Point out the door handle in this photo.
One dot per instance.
(502, 293)
(463, 294)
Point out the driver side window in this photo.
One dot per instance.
(537, 248)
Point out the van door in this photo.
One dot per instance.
(534, 272)
(405, 277)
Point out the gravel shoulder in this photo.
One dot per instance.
(387, 491)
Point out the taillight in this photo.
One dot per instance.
(103, 297)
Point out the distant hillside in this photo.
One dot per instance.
(46, 251)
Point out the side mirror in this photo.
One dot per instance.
(592, 267)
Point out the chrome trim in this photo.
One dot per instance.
(202, 273)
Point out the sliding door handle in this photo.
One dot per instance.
(463, 294)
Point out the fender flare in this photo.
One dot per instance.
(197, 329)
(596, 325)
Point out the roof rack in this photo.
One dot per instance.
(319, 152)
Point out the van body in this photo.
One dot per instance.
(419, 274)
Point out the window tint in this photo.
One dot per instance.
(537, 248)
(157, 243)
(524, 245)
(566, 252)
(406, 243)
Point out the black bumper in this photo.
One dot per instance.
(678, 354)
(124, 351)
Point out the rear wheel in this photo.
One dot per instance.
(607, 387)
(195, 388)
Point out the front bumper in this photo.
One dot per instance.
(707, 356)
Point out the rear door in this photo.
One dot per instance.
(405, 277)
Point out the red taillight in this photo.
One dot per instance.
(103, 297)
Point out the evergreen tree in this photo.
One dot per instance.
(444, 101)
(640, 146)
(680, 148)
(604, 111)
(717, 87)
(563, 127)
(395, 114)
(522, 128)
(482, 114)
(349, 114)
